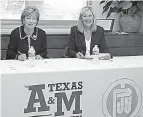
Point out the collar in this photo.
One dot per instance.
(23, 34)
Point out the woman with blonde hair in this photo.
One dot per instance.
(27, 35)
(85, 35)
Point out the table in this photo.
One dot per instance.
(71, 87)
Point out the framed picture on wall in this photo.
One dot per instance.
(107, 24)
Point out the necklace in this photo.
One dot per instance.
(28, 32)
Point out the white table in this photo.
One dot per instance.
(77, 87)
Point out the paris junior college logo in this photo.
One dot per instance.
(122, 98)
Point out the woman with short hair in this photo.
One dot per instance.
(27, 35)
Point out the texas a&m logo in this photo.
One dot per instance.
(55, 99)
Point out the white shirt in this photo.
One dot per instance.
(87, 43)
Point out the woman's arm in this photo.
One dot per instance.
(103, 46)
(12, 46)
(43, 51)
(71, 44)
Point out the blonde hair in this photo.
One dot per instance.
(28, 11)
(80, 23)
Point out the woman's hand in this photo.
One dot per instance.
(38, 57)
(22, 57)
(105, 57)
(79, 55)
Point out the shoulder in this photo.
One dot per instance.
(100, 28)
(15, 31)
(74, 28)
(41, 31)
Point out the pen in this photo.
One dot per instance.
(22, 55)
(19, 52)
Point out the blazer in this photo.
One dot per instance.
(77, 41)
(19, 42)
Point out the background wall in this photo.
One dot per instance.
(62, 26)
(98, 10)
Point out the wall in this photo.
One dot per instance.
(98, 10)
(63, 27)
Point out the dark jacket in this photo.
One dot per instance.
(19, 42)
(77, 41)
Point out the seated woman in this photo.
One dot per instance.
(27, 35)
(85, 35)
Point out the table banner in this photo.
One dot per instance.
(95, 93)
